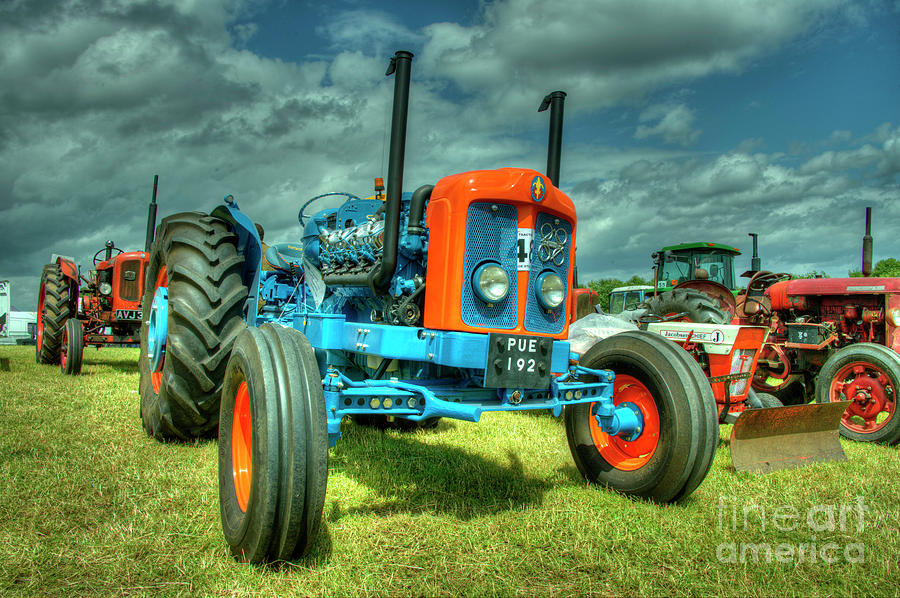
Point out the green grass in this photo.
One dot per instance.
(90, 506)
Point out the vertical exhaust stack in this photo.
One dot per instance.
(400, 68)
(151, 216)
(755, 264)
(867, 245)
(555, 101)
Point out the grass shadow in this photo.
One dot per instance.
(414, 476)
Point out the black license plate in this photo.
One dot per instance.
(128, 314)
(516, 361)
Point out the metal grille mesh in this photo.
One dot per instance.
(129, 289)
(490, 235)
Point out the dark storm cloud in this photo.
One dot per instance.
(609, 51)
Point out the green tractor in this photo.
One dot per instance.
(706, 268)
(683, 275)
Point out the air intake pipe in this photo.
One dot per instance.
(755, 264)
(555, 101)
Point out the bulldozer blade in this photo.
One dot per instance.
(765, 440)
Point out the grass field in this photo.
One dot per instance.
(90, 506)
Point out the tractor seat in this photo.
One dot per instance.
(286, 257)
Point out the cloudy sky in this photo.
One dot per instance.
(689, 120)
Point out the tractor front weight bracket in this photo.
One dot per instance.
(425, 399)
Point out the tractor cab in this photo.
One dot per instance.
(688, 262)
(628, 297)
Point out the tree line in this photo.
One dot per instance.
(886, 268)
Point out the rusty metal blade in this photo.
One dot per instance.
(765, 440)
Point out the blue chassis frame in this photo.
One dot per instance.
(417, 399)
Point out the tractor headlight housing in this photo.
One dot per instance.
(551, 290)
(490, 282)
(894, 317)
(105, 288)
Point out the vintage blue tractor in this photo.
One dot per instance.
(399, 310)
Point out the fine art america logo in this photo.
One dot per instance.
(827, 521)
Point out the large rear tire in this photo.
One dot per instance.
(697, 306)
(72, 347)
(273, 446)
(674, 452)
(195, 258)
(54, 308)
(868, 375)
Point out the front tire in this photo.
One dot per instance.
(195, 258)
(674, 452)
(762, 400)
(273, 446)
(72, 348)
(868, 375)
(54, 308)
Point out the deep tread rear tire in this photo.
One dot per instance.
(54, 308)
(700, 308)
(289, 467)
(206, 300)
(72, 347)
(687, 418)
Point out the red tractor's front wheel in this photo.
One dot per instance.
(72, 348)
(868, 375)
(273, 446)
(674, 447)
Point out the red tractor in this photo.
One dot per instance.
(105, 311)
(832, 339)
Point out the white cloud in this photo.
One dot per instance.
(675, 124)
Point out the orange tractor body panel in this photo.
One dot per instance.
(446, 219)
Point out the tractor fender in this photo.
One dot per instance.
(722, 294)
(70, 271)
(250, 246)
(68, 267)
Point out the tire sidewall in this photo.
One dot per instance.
(249, 533)
(150, 399)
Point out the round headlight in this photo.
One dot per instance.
(551, 290)
(105, 288)
(490, 283)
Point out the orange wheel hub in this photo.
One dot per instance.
(242, 446)
(618, 452)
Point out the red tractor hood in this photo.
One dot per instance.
(788, 293)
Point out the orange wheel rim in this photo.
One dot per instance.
(162, 280)
(242, 446)
(64, 348)
(618, 452)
